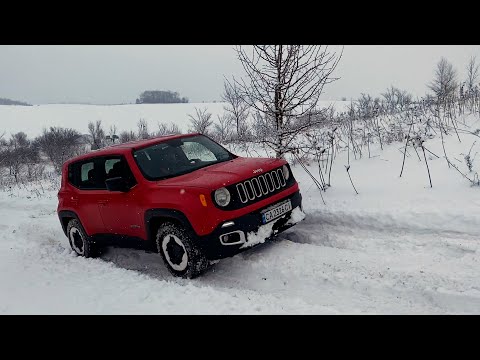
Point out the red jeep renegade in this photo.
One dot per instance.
(186, 195)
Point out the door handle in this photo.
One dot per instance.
(102, 202)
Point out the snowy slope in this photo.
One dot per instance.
(397, 247)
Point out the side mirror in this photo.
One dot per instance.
(117, 184)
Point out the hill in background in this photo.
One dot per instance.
(4, 101)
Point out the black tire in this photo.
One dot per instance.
(179, 252)
(80, 242)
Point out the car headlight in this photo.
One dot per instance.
(286, 172)
(222, 197)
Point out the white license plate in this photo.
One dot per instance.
(276, 212)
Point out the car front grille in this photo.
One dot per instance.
(261, 186)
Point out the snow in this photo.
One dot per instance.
(32, 119)
(297, 216)
(39, 274)
(260, 236)
(398, 247)
(265, 231)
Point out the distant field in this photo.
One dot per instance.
(32, 119)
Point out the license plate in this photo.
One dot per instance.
(276, 212)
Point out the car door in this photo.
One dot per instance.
(119, 210)
(84, 195)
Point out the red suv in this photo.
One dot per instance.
(185, 195)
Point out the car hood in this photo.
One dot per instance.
(225, 173)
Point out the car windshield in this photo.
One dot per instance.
(179, 156)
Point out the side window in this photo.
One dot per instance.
(84, 175)
(91, 174)
(86, 172)
(195, 150)
(118, 167)
(109, 163)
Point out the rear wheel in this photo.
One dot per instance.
(182, 257)
(80, 242)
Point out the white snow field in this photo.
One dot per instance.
(33, 119)
(399, 247)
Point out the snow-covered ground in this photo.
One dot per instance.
(32, 119)
(397, 247)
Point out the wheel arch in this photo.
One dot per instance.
(154, 218)
(65, 216)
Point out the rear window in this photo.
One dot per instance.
(85, 170)
(83, 175)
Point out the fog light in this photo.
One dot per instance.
(231, 238)
(235, 237)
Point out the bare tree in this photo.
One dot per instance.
(165, 129)
(223, 129)
(19, 140)
(174, 129)
(97, 135)
(236, 107)
(396, 99)
(445, 83)
(126, 136)
(113, 130)
(142, 126)
(59, 144)
(112, 136)
(20, 153)
(200, 121)
(284, 83)
(3, 152)
(472, 74)
(261, 128)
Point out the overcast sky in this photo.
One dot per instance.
(118, 74)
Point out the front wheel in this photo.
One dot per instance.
(182, 257)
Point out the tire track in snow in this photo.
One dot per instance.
(401, 221)
(438, 266)
(358, 235)
(43, 259)
(351, 280)
(327, 277)
(314, 267)
(372, 272)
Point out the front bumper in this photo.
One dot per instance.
(214, 249)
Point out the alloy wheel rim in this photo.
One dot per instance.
(77, 242)
(175, 252)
